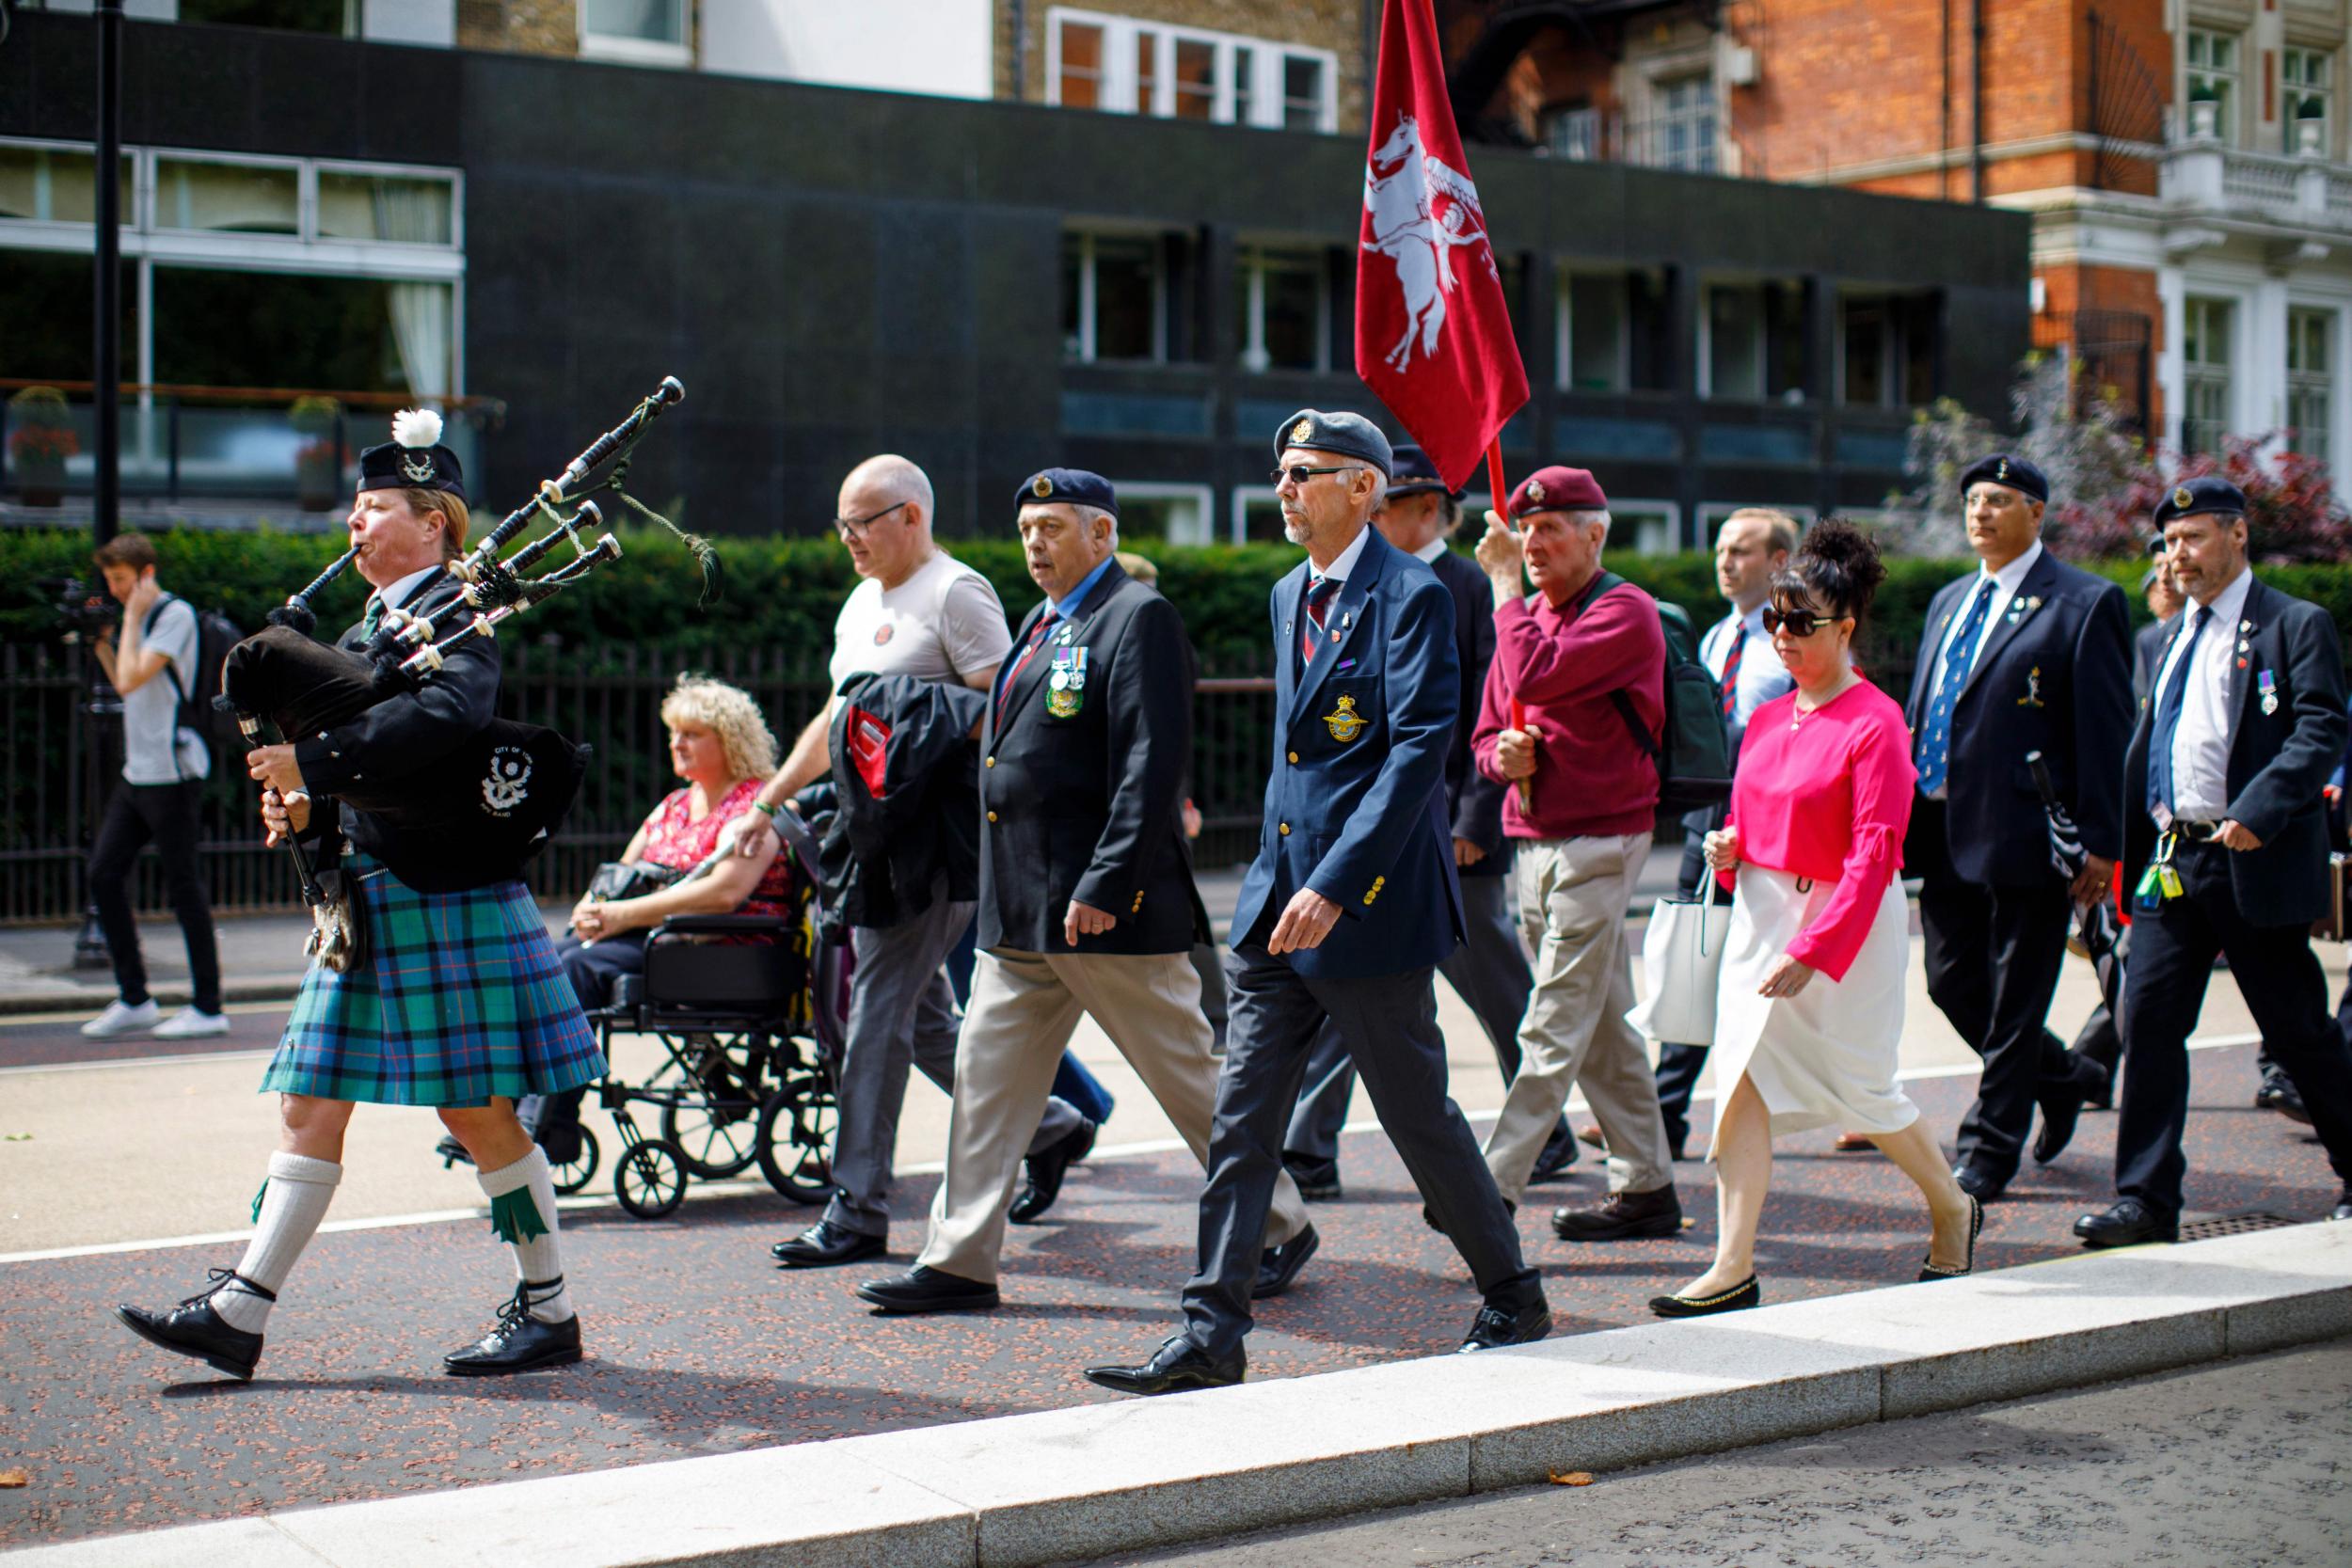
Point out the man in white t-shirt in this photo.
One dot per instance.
(163, 766)
(917, 611)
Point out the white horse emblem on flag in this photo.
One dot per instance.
(1421, 210)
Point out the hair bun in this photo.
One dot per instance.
(1837, 543)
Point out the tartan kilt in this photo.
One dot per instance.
(462, 998)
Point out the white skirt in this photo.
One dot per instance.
(1827, 1055)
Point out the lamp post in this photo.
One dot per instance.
(106, 373)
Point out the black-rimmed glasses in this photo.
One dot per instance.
(854, 528)
(1300, 473)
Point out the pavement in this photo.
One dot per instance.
(2249, 1461)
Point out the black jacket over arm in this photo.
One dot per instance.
(2054, 677)
(904, 820)
(2278, 761)
(1473, 800)
(1085, 806)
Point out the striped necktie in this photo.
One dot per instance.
(373, 618)
(1319, 592)
(1731, 671)
(1037, 638)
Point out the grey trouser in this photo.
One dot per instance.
(1390, 1025)
(1023, 1008)
(1573, 894)
(901, 1014)
(1489, 971)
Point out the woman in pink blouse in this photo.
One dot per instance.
(1809, 1006)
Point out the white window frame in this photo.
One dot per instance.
(620, 50)
(1572, 131)
(1708, 104)
(1202, 500)
(2316, 440)
(1117, 89)
(1636, 510)
(2324, 90)
(1087, 236)
(1252, 261)
(2230, 80)
(2222, 374)
(1238, 508)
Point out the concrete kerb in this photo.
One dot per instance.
(1093, 1479)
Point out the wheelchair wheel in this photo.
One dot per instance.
(650, 1181)
(716, 1136)
(795, 1140)
(576, 1173)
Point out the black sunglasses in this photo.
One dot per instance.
(1801, 623)
(1300, 473)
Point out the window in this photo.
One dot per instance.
(1616, 331)
(1285, 321)
(643, 32)
(1257, 516)
(1647, 528)
(2306, 79)
(1573, 131)
(332, 17)
(1080, 83)
(52, 184)
(223, 197)
(2311, 359)
(1114, 298)
(380, 206)
(1177, 512)
(2213, 71)
(1754, 340)
(2206, 352)
(1099, 61)
(1681, 133)
(1886, 350)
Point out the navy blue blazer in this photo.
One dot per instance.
(2054, 677)
(2279, 760)
(1355, 804)
(1473, 800)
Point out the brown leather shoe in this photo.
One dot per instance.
(1622, 1217)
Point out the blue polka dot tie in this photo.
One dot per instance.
(1960, 653)
(2167, 722)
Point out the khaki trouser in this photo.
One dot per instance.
(1025, 1006)
(1573, 894)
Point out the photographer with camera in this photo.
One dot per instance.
(163, 766)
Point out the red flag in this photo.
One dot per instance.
(1433, 334)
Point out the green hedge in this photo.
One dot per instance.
(784, 593)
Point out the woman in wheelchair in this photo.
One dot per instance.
(680, 863)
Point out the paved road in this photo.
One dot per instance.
(2243, 1461)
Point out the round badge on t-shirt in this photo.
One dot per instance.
(883, 633)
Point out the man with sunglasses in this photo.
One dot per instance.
(916, 612)
(1347, 911)
(2022, 655)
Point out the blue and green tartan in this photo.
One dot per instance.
(462, 998)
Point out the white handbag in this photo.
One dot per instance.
(1682, 953)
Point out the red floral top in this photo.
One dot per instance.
(673, 838)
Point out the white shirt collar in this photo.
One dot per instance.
(398, 594)
(2008, 576)
(1430, 551)
(2229, 606)
(1338, 570)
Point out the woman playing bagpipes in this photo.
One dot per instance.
(455, 998)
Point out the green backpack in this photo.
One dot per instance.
(1691, 750)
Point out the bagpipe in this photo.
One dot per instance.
(486, 805)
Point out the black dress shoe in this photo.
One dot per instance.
(1931, 1270)
(825, 1244)
(518, 1343)
(922, 1290)
(2342, 1211)
(1175, 1366)
(1047, 1167)
(2266, 1092)
(193, 1328)
(1622, 1217)
(1318, 1180)
(1279, 1265)
(1738, 1298)
(2127, 1223)
(2288, 1101)
(1977, 1184)
(1496, 1325)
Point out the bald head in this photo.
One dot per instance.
(884, 517)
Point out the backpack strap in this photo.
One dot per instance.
(1601, 583)
(185, 710)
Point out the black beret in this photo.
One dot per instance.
(1074, 485)
(2001, 468)
(2212, 494)
(1347, 435)
(413, 459)
(1414, 474)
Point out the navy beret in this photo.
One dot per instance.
(2002, 468)
(1414, 474)
(413, 458)
(2211, 494)
(1347, 435)
(1074, 485)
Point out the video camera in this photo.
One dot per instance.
(83, 609)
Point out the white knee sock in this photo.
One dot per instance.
(522, 1210)
(287, 1214)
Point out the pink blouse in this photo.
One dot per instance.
(1829, 799)
(673, 838)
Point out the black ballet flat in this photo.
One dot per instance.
(1976, 1228)
(1747, 1293)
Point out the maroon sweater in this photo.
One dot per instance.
(1591, 778)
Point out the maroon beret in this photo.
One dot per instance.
(1558, 489)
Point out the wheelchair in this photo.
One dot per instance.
(751, 1037)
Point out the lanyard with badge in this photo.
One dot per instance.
(2159, 881)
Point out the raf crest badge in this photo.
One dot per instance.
(1040, 487)
(2033, 688)
(2002, 473)
(1345, 722)
(2181, 499)
(1302, 432)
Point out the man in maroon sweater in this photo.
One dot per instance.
(1578, 664)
